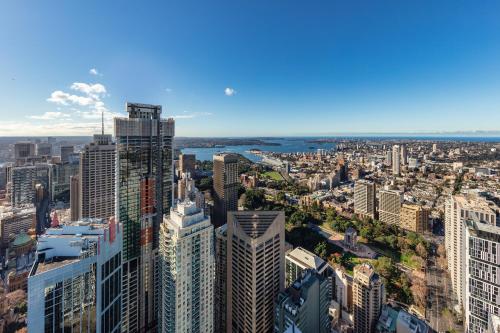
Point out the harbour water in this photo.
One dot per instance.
(301, 144)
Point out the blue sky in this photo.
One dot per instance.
(240, 68)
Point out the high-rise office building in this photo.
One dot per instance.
(66, 151)
(220, 288)
(299, 260)
(74, 284)
(404, 154)
(389, 206)
(24, 150)
(74, 198)
(364, 198)
(458, 209)
(304, 306)
(434, 148)
(44, 149)
(482, 283)
(97, 177)
(255, 269)
(187, 270)
(368, 298)
(144, 177)
(226, 184)
(414, 218)
(187, 163)
(396, 160)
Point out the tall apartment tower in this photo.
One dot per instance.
(97, 178)
(414, 218)
(187, 270)
(74, 284)
(368, 298)
(482, 250)
(225, 187)
(458, 209)
(396, 160)
(389, 206)
(404, 155)
(255, 269)
(388, 158)
(144, 179)
(220, 289)
(187, 163)
(364, 198)
(74, 198)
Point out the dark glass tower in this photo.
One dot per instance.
(144, 193)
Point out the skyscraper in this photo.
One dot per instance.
(225, 187)
(220, 289)
(255, 269)
(44, 149)
(482, 297)
(74, 284)
(144, 193)
(364, 198)
(187, 269)
(74, 198)
(303, 306)
(368, 298)
(396, 160)
(458, 209)
(97, 178)
(404, 155)
(389, 206)
(24, 150)
(66, 151)
(187, 163)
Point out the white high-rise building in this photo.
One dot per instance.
(396, 160)
(390, 206)
(458, 209)
(75, 282)
(482, 250)
(187, 270)
(364, 198)
(97, 178)
(404, 155)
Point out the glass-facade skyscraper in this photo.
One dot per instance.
(144, 193)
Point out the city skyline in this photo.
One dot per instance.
(360, 68)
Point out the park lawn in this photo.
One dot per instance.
(274, 175)
(407, 260)
(381, 250)
(352, 261)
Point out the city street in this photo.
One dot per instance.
(439, 299)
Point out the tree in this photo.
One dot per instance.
(299, 218)
(205, 184)
(281, 197)
(385, 267)
(419, 292)
(421, 250)
(321, 249)
(254, 199)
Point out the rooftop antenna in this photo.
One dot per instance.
(102, 120)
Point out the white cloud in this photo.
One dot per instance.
(93, 90)
(229, 91)
(169, 90)
(51, 115)
(94, 71)
(63, 98)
